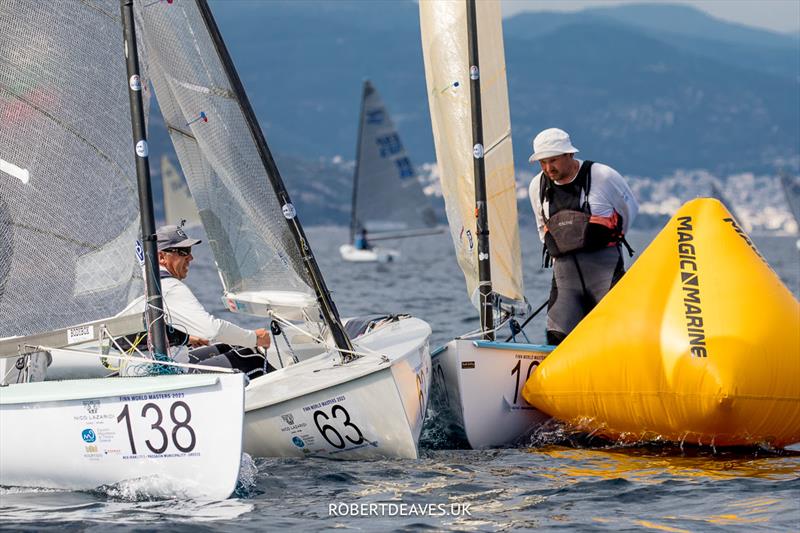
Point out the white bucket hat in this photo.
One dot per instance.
(550, 143)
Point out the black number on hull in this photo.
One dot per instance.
(326, 429)
(516, 370)
(179, 424)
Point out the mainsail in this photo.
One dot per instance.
(178, 203)
(252, 244)
(259, 246)
(386, 193)
(447, 70)
(69, 215)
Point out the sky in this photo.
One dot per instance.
(776, 15)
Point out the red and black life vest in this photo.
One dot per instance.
(571, 227)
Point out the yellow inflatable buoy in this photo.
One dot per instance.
(699, 343)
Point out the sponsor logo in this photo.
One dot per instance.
(140, 252)
(91, 406)
(91, 448)
(297, 441)
(467, 364)
(289, 419)
(690, 285)
(88, 435)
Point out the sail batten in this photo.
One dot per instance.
(445, 50)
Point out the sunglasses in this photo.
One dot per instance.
(183, 252)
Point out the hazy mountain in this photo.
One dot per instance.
(648, 89)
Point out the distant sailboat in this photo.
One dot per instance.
(716, 192)
(478, 379)
(178, 202)
(791, 190)
(388, 202)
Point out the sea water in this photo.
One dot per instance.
(557, 482)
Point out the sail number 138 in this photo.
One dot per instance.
(182, 436)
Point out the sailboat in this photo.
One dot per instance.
(791, 191)
(478, 379)
(716, 192)
(365, 394)
(178, 203)
(69, 219)
(388, 201)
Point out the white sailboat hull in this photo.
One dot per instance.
(374, 255)
(180, 433)
(370, 408)
(479, 384)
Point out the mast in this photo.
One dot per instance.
(479, 172)
(154, 310)
(353, 219)
(326, 305)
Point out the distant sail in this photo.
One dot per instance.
(444, 44)
(791, 190)
(387, 196)
(717, 193)
(178, 201)
(69, 215)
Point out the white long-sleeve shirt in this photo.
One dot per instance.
(608, 192)
(185, 312)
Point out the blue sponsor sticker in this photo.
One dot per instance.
(140, 252)
(88, 435)
(297, 441)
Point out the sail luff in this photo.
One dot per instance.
(156, 326)
(326, 304)
(479, 171)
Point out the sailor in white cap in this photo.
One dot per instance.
(214, 341)
(583, 210)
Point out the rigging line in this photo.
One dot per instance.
(477, 332)
(285, 322)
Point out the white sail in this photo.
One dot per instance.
(444, 44)
(178, 201)
(254, 250)
(387, 196)
(69, 215)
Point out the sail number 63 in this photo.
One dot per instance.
(331, 434)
